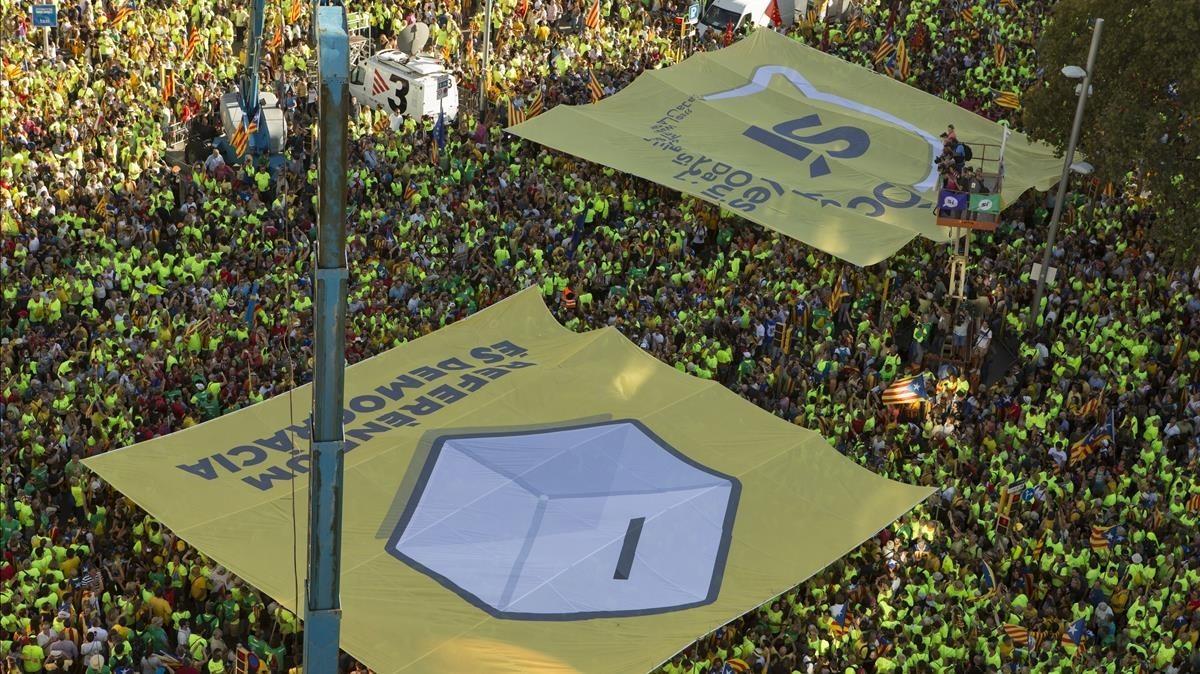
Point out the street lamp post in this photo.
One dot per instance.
(1084, 89)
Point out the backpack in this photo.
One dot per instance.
(967, 154)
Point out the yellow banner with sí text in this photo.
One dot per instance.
(799, 141)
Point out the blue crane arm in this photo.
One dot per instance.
(254, 49)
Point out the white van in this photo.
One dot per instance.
(413, 86)
(738, 13)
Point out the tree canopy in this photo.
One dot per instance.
(1144, 113)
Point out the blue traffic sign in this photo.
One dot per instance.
(693, 14)
(45, 16)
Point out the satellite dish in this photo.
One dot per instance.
(413, 38)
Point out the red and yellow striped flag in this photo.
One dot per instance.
(168, 85)
(1008, 99)
(855, 26)
(192, 43)
(1016, 633)
(276, 39)
(882, 52)
(294, 12)
(121, 15)
(592, 20)
(241, 139)
(1000, 55)
(1011, 4)
(967, 15)
(902, 64)
(535, 106)
(594, 87)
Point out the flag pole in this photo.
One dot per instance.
(487, 53)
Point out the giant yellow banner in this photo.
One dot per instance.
(520, 498)
(824, 151)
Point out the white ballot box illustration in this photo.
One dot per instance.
(570, 523)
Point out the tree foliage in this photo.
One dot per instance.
(1144, 112)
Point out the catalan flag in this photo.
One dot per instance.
(883, 51)
(999, 54)
(810, 17)
(855, 26)
(523, 8)
(902, 64)
(1089, 408)
(168, 85)
(839, 292)
(904, 391)
(594, 87)
(1011, 4)
(13, 72)
(1016, 633)
(121, 15)
(1109, 190)
(840, 614)
(1008, 99)
(535, 106)
(737, 665)
(276, 39)
(1090, 443)
(592, 19)
(192, 43)
(294, 12)
(1104, 538)
(515, 114)
(967, 15)
(1193, 503)
(241, 139)
(1075, 634)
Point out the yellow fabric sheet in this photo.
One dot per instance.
(521, 498)
(824, 151)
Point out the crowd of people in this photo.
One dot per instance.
(137, 299)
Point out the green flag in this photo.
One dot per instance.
(985, 203)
